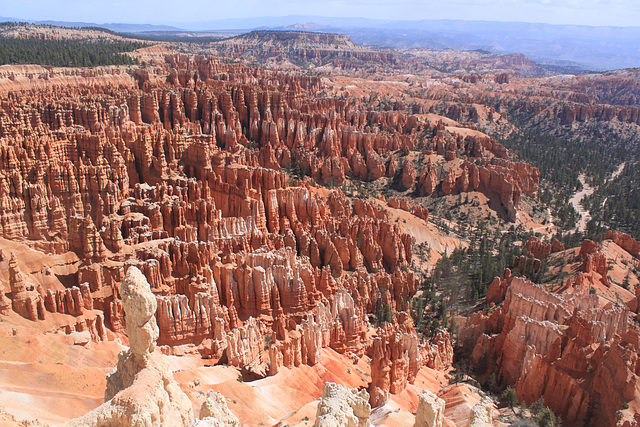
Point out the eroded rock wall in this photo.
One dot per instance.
(204, 177)
(565, 348)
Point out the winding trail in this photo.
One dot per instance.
(617, 172)
(575, 200)
(587, 190)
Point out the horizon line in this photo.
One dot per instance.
(372, 20)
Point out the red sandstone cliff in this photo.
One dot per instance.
(563, 347)
(113, 170)
(188, 178)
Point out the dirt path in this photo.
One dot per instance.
(587, 190)
(575, 200)
(617, 172)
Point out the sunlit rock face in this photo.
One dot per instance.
(220, 185)
(565, 347)
(141, 390)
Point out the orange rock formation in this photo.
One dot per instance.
(563, 347)
(188, 179)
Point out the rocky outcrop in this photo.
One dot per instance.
(421, 212)
(25, 300)
(625, 241)
(509, 180)
(245, 347)
(341, 407)
(87, 325)
(72, 300)
(482, 414)
(593, 260)
(296, 46)
(214, 410)
(430, 410)
(502, 78)
(541, 249)
(437, 353)
(583, 99)
(204, 175)
(5, 303)
(132, 141)
(141, 391)
(406, 205)
(498, 288)
(562, 347)
(273, 284)
(407, 175)
(397, 354)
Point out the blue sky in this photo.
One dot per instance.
(583, 12)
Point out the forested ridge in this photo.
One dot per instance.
(66, 52)
(617, 202)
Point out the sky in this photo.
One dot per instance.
(172, 12)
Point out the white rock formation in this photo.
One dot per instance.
(215, 412)
(341, 407)
(430, 410)
(141, 390)
(482, 414)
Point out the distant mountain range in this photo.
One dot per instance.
(592, 48)
(118, 27)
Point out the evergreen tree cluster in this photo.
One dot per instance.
(67, 53)
(617, 202)
(595, 149)
(429, 311)
(473, 269)
(382, 313)
(561, 159)
(462, 278)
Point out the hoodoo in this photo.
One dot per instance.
(141, 390)
(291, 228)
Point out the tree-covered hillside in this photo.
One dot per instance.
(67, 53)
